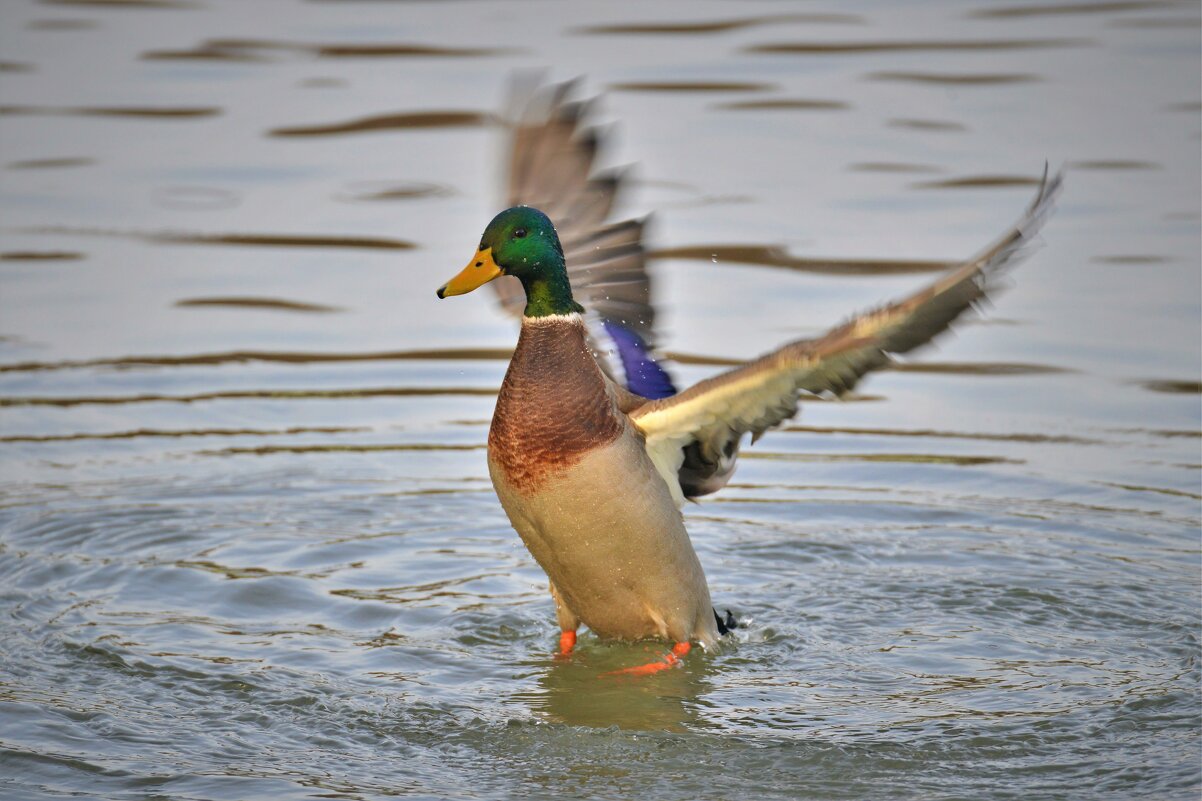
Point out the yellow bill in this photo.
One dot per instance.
(477, 273)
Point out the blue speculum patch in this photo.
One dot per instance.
(643, 375)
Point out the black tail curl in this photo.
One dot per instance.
(725, 625)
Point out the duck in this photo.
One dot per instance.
(592, 451)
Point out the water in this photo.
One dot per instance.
(248, 546)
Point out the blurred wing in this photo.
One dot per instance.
(693, 437)
(552, 153)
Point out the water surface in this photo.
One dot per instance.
(248, 545)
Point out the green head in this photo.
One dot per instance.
(521, 242)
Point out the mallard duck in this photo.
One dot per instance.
(591, 450)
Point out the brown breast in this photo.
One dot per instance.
(553, 407)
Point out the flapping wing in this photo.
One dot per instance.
(552, 155)
(694, 437)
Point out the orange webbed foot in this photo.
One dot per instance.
(671, 659)
(567, 641)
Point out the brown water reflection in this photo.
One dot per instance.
(386, 122)
(1113, 164)
(577, 693)
(1131, 259)
(1055, 9)
(927, 46)
(156, 433)
(241, 240)
(136, 112)
(50, 164)
(886, 458)
(776, 256)
(395, 191)
(1057, 439)
(927, 125)
(785, 104)
(1173, 386)
(40, 255)
(718, 26)
(451, 354)
(262, 394)
(262, 50)
(268, 450)
(153, 5)
(956, 79)
(979, 368)
(1154, 23)
(274, 304)
(271, 357)
(691, 86)
(62, 25)
(892, 166)
(978, 182)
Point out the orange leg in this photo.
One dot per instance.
(671, 659)
(567, 641)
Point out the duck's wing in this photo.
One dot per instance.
(693, 437)
(552, 150)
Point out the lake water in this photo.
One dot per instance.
(248, 545)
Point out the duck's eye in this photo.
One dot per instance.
(519, 233)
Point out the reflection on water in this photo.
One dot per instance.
(280, 357)
(946, 79)
(1131, 259)
(1055, 9)
(50, 164)
(241, 240)
(397, 191)
(1113, 164)
(941, 126)
(40, 255)
(259, 303)
(261, 50)
(718, 26)
(909, 458)
(926, 432)
(922, 46)
(784, 105)
(248, 544)
(690, 86)
(978, 182)
(138, 112)
(61, 24)
(775, 256)
(264, 394)
(979, 368)
(892, 166)
(204, 432)
(1188, 387)
(569, 692)
(384, 122)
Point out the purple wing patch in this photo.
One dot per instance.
(643, 375)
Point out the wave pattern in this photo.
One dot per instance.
(248, 543)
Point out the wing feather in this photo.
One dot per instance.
(553, 150)
(693, 437)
